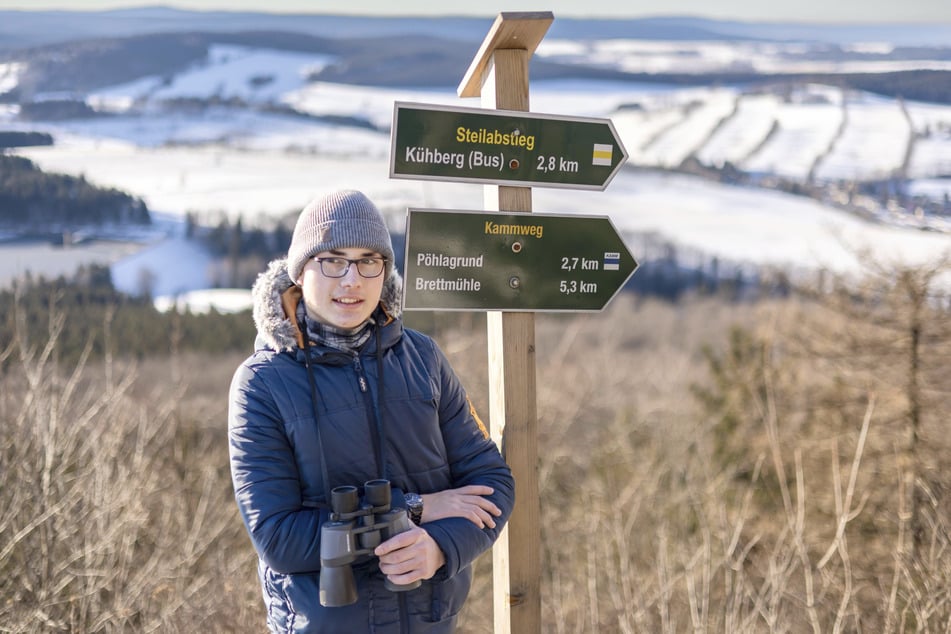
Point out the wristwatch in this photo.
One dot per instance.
(414, 506)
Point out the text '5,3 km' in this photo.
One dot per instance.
(468, 260)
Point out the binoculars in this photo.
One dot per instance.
(355, 528)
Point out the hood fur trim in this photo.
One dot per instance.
(277, 329)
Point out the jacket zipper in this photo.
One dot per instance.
(361, 379)
(404, 615)
(373, 418)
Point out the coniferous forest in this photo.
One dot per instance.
(30, 197)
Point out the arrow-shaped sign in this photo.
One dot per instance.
(503, 147)
(471, 260)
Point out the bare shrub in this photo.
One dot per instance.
(116, 512)
(777, 506)
(775, 501)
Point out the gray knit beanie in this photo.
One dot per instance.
(341, 220)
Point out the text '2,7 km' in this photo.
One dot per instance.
(468, 260)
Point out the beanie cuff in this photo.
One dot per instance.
(341, 220)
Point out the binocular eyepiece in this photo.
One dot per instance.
(356, 528)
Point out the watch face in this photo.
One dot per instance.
(414, 505)
(413, 500)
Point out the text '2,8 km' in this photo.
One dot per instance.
(503, 147)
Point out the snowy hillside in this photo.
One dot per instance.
(251, 74)
(790, 130)
(247, 133)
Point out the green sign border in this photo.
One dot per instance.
(569, 144)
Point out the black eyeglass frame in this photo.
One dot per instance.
(350, 263)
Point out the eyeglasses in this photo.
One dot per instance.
(338, 267)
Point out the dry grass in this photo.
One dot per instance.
(116, 510)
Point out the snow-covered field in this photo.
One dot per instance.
(252, 165)
(255, 75)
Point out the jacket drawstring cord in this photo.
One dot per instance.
(302, 324)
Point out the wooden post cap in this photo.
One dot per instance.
(511, 30)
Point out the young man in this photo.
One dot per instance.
(337, 394)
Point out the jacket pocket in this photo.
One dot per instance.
(448, 596)
(279, 615)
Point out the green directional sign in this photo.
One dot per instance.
(503, 147)
(471, 260)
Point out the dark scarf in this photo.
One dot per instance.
(346, 339)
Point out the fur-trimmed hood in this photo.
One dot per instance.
(275, 297)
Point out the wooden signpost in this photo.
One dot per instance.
(514, 264)
(499, 75)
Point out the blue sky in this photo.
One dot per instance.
(855, 11)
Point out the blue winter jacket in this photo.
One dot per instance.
(423, 435)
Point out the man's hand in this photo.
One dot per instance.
(468, 502)
(410, 556)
